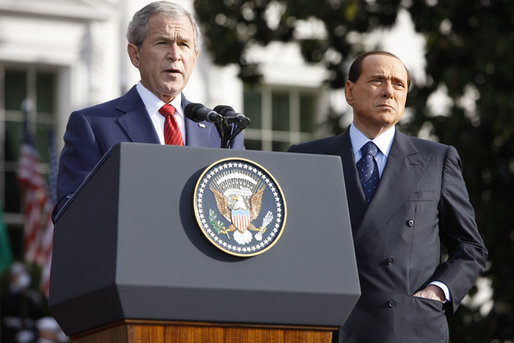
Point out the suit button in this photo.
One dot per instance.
(390, 260)
(410, 223)
(391, 303)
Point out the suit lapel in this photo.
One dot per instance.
(198, 134)
(136, 122)
(342, 146)
(401, 175)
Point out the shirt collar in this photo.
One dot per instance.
(383, 141)
(153, 103)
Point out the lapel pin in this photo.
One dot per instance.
(202, 125)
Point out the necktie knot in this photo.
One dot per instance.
(167, 110)
(369, 148)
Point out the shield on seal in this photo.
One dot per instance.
(240, 219)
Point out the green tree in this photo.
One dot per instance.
(232, 27)
(470, 50)
(469, 54)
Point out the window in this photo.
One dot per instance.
(17, 84)
(280, 117)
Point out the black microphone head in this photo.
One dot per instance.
(240, 120)
(225, 110)
(191, 111)
(198, 112)
(243, 120)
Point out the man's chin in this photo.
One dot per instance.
(169, 94)
(388, 116)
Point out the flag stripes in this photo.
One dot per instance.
(38, 204)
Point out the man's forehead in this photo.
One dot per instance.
(384, 65)
(163, 22)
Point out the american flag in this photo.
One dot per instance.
(47, 239)
(37, 206)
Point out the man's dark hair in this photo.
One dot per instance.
(355, 68)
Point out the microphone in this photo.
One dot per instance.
(232, 116)
(198, 112)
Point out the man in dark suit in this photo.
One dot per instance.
(405, 197)
(163, 40)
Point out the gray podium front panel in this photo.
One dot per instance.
(128, 246)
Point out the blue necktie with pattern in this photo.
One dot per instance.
(368, 170)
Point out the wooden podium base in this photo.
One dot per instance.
(142, 331)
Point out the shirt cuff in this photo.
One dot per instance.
(443, 287)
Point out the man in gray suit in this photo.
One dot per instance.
(163, 45)
(405, 196)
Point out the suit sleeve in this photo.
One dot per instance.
(459, 232)
(78, 157)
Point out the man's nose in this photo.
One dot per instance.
(174, 52)
(388, 89)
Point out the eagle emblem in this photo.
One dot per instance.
(238, 200)
(231, 197)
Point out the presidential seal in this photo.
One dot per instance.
(239, 207)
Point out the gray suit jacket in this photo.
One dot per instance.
(421, 201)
(92, 131)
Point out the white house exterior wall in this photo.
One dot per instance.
(84, 40)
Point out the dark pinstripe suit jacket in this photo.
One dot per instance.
(421, 201)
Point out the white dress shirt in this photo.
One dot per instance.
(384, 142)
(153, 104)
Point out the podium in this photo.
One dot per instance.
(130, 263)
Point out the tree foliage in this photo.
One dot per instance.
(469, 55)
(232, 27)
(470, 47)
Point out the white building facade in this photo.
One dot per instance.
(63, 55)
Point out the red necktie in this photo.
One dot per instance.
(172, 135)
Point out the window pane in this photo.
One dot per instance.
(15, 89)
(307, 112)
(280, 146)
(42, 141)
(280, 111)
(45, 89)
(251, 144)
(253, 108)
(12, 199)
(15, 233)
(13, 140)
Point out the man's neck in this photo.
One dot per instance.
(371, 132)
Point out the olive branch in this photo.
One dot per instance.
(216, 224)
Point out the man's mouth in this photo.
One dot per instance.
(173, 71)
(386, 106)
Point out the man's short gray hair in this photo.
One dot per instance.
(138, 26)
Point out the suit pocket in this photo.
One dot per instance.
(428, 304)
(428, 316)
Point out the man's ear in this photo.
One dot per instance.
(133, 53)
(348, 92)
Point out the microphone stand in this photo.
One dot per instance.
(219, 124)
(226, 131)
